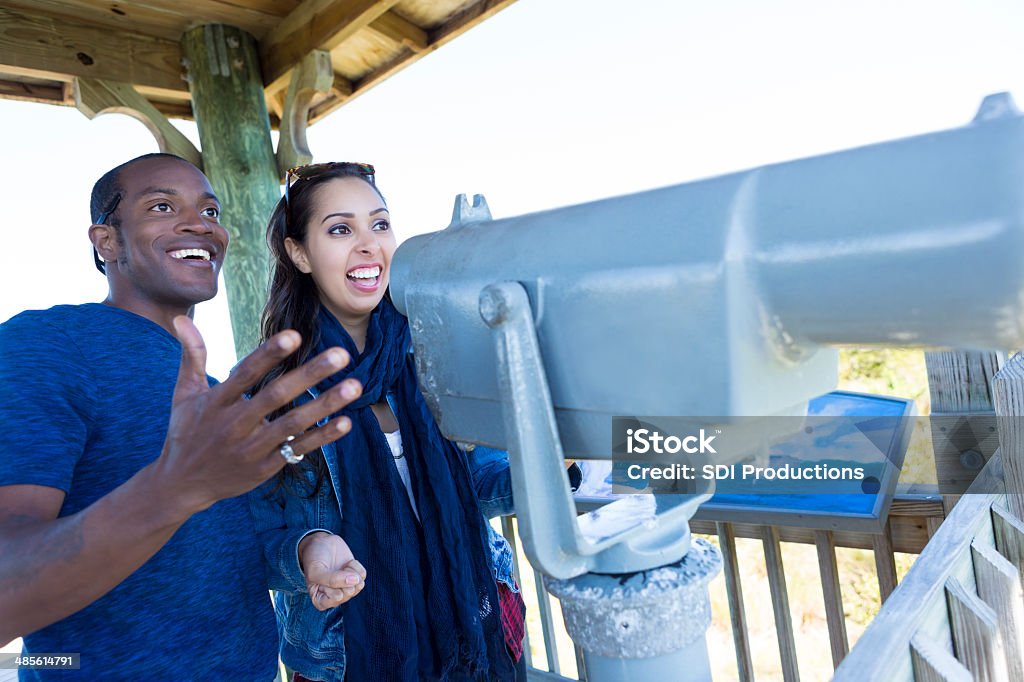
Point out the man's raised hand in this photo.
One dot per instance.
(219, 443)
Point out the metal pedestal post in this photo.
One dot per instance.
(643, 626)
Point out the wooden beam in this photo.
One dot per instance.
(907, 522)
(401, 31)
(46, 93)
(94, 97)
(314, 25)
(50, 44)
(466, 19)
(174, 109)
(166, 20)
(313, 75)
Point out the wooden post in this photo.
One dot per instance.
(238, 156)
(885, 562)
(734, 590)
(833, 594)
(959, 383)
(780, 603)
(1008, 387)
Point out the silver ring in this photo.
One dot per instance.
(288, 453)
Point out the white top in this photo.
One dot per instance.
(398, 454)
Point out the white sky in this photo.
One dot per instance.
(554, 102)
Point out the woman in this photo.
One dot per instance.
(401, 495)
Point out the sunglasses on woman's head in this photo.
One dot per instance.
(312, 170)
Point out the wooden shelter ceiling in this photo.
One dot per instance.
(45, 44)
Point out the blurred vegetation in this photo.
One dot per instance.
(886, 371)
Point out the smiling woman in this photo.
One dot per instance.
(439, 589)
(347, 250)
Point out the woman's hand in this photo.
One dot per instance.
(333, 576)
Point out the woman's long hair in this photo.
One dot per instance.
(294, 301)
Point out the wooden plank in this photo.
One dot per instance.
(734, 592)
(176, 109)
(885, 563)
(932, 524)
(50, 92)
(401, 31)
(935, 664)
(999, 585)
(976, 637)
(907, 525)
(1008, 387)
(167, 20)
(1009, 536)
(883, 651)
(780, 604)
(44, 44)
(960, 381)
(833, 595)
(314, 25)
(471, 16)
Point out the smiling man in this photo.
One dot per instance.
(122, 538)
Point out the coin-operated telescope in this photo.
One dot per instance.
(713, 298)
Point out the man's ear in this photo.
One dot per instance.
(297, 252)
(104, 240)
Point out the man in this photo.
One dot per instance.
(121, 534)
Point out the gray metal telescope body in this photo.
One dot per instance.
(715, 297)
(711, 298)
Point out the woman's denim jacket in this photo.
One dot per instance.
(312, 642)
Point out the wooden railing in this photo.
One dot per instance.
(959, 614)
(912, 521)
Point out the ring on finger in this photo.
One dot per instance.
(288, 453)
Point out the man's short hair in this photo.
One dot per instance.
(106, 195)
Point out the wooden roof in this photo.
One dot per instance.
(45, 44)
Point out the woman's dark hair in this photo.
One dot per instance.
(294, 301)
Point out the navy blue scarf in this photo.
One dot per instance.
(430, 607)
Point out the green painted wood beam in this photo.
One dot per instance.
(238, 156)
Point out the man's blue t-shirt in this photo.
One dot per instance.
(85, 399)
